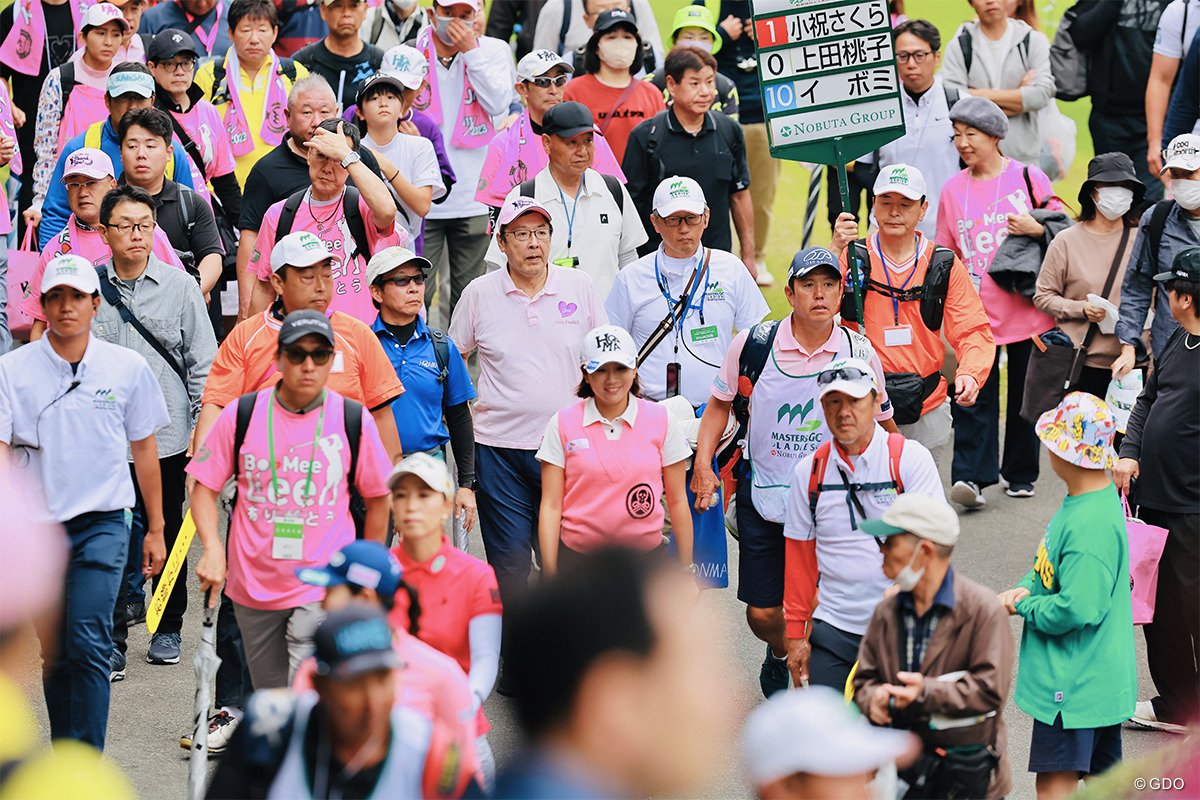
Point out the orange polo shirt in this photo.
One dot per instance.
(245, 362)
(964, 321)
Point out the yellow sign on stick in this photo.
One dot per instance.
(170, 573)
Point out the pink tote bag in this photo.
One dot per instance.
(22, 264)
(1146, 544)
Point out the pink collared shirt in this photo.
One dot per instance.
(528, 350)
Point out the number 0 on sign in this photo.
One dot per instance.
(828, 72)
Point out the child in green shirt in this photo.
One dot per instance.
(1078, 675)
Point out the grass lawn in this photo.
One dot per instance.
(792, 194)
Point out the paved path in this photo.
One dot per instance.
(153, 706)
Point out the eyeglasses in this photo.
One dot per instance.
(137, 227)
(297, 355)
(841, 374)
(690, 219)
(404, 280)
(541, 234)
(918, 56)
(83, 185)
(546, 83)
(183, 65)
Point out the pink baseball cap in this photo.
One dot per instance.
(35, 556)
(101, 14)
(89, 162)
(519, 206)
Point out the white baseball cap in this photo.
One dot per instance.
(927, 517)
(901, 179)
(390, 258)
(429, 469)
(89, 162)
(1182, 153)
(406, 64)
(71, 270)
(608, 344)
(121, 83)
(851, 376)
(299, 249)
(103, 13)
(814, 731)
(538, 62)
(677, 194)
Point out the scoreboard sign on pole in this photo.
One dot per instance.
(828, 74)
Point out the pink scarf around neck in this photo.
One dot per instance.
(25, 44)
(238, 127)
(473, 128)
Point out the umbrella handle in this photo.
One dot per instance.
(208, 609)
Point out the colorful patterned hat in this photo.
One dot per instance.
(1080, 431)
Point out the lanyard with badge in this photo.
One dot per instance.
(569, 261)
(897, 335)
(677, 312)
(287, 541)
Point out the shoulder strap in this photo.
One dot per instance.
(895, 450)
(614, 188)
(377, 26)
(625, 94)
(1158, 223)
(189, 146)
(353, 420)
(754, 357)
(441, 353)
(565, 26)
(968, 49)
(677, 312)
(245, 410)
(186, 198)
(724, 126)
(527, 188)
(1108, 282)
(93, 136)
(114, 299)
(66, 77)
(820, 458)
(354, 221)
(952, 96)
(860, 346)
(287, 68)
(936, 287)
(287, 215)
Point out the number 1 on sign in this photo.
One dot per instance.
(771, 32)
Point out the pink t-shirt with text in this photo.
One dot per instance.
(351, 295)
(973, 221)
(256, 578)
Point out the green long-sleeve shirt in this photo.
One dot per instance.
(1077, 655)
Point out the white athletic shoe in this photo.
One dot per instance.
(1143, 716)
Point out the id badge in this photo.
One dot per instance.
(673, 379)
(704, 334)
(339, 363)
(897, 335)
(287, 544)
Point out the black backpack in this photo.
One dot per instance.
(931, 293)
(354, 220)
(614, 188)
(220, 87)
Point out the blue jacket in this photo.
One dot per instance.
(169, 14)
(1138, 286)
(1185, 98)
(56, 209)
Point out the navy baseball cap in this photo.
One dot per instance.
(809, 259)
(352, 641)
(1185, 266)
(361, 563)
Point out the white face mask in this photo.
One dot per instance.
(1114, 202)
(699, 44)
(908, 578)
(1186, 193)
(618, 54)
(441, 27)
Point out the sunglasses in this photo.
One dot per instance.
(404, 280)
(545, 83)
(297, 355)
(842, 374)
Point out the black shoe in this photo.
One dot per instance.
(504, 686)
(135, 613)
(774, 675)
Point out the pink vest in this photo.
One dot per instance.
(84, 106)
(613, 489)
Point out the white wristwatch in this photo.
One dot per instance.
(351, 158)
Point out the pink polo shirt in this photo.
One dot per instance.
(206, 129)
(261, 567)
(351, 295)
(528, 350)
(792, 358)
